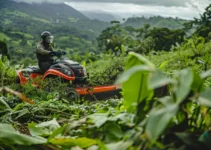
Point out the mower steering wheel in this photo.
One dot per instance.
(60, 53)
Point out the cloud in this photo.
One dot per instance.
(139, 2)
(128, 9)
(144, 2)
(40, 1)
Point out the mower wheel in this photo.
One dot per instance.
(71, 95)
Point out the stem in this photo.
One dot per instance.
(138, 103)
(141, 86)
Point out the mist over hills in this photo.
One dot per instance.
(100, 15)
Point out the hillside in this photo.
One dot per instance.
(47, 11)
(156, 21)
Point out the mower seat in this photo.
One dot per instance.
(35, 69)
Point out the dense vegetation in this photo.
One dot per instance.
(156, 21)
(142, 119)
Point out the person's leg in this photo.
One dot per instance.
(44, 66)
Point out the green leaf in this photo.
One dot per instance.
(137, 59)
(198, 82)
(135, 90)
(57, 132)
(81, 142)
(53, 124)
(24, 112)
(158, 79)
(4, 106)
(183, 87)
(165, 101)
(10, 136)
(114, 130)
(130, 72)
(206, 74)
(122, 48)
(163, 64)
(44, 128)
(159, 119)
(123, 117)
(38, 131)
(83, 63)
(206, 138)
(205, 97)
(187, 138)
(99, 118)
(122, 145)
(135, 81)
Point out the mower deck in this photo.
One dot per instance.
(100, 92)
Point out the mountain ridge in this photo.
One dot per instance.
(43, 10)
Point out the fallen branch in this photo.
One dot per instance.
(18, 94)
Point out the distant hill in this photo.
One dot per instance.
(102, 16)
(156, 21)
(48, 11)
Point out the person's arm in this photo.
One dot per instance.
(41, 50)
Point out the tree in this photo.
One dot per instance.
(164, 38)
(202, 25)
(112, 38)
(143, 31)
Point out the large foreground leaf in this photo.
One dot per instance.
(205, 98)
(81, 142)
(122, 145)
(9, 136)
(158, 79)
(185, 80)
(99, 118)
(135, 81)
(159, 119)
(44, 128)
(4, 107)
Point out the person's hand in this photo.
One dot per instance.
(63, 53)
(54, 53)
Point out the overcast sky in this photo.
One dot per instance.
(186, 9)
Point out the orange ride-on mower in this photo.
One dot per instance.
(69, 79)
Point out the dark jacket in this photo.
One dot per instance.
(45, 59)
(43, 52)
